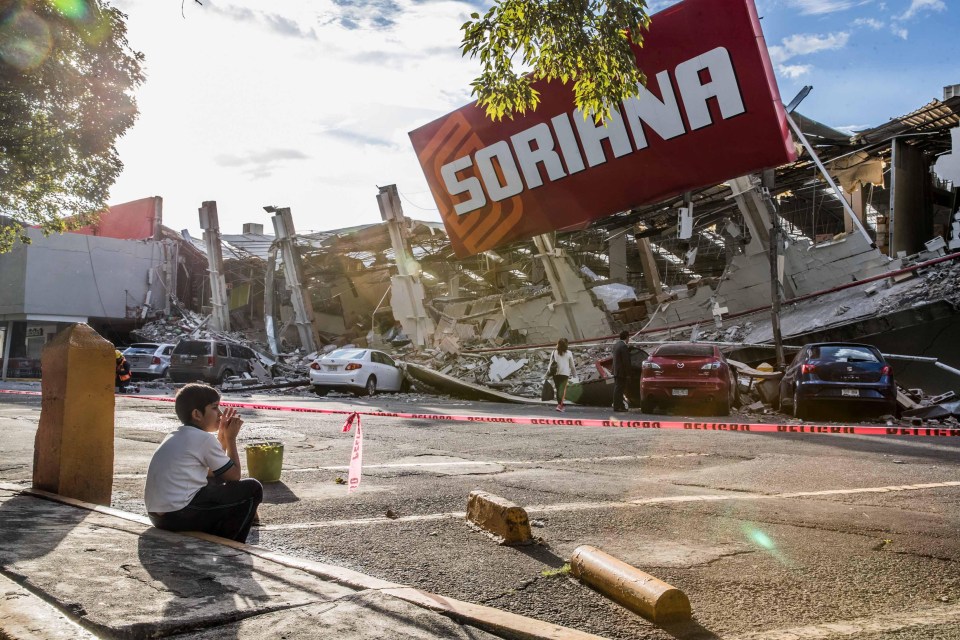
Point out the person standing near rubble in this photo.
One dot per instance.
(621, 369)
(561, 368)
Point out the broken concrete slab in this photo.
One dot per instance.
(461, 389)
(503, 368)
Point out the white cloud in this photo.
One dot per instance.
(868, 22)
(794, 71)
(919, 6)
(802, 44)
(899, 31)
(818, 7)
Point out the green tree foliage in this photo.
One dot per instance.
(584, 41)
(67, 76)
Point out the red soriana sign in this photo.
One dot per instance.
(710, 111)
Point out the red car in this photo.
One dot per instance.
(692, 374)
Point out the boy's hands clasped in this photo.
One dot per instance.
(230, 423)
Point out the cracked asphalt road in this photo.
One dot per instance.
(739, 521)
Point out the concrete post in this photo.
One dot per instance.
(406, 288)
(292, 271)
(73, 450)
(651, 275)
(618, 257)
(7, 340)
(755, 209)
(210, 223)
(551, 259)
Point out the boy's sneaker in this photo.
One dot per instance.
(560, 408)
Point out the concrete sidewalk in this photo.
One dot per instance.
(74, 570)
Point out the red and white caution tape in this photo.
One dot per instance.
(356, 457)
(747, 427)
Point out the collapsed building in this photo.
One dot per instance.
(697, 266)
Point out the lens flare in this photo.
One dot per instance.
(73, 9)
(761, 539)
(25, 40)
(765, 542)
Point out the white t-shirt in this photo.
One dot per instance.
(565, 364)
(178, 469)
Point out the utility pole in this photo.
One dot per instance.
(775, 282)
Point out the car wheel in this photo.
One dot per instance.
(647, 406)
(404, 386)
(226, 374)
(371, 388)
(801, 408)
(321, 391)
(163, 374)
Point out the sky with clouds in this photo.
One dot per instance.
(307, 104)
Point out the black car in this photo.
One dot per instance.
(838, 374)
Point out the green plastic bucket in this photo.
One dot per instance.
(265, 460)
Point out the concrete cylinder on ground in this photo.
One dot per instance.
(628, 586)
(73, 450)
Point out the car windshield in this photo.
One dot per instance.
(841, 353)
(346, 354)
(694, 350)
(141, 348)
(192, 348)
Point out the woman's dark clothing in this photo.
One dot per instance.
(560, 384)
(224, 509)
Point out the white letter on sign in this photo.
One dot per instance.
(456, 187)
(512, 184)
(592, 135)
(723, 86)
(663, 117)
(529, 158)
(568, 143)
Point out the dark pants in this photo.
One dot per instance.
(619, 388)
(560, 384)
(224, 509)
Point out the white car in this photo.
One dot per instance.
(361, 371)
(148, 359)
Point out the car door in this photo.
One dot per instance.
(789, 381)
(391, 371)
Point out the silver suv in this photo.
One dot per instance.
(148, 359)
(209, 361)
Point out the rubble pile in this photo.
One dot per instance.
(936, 282)
(519, 372)
(171, 329)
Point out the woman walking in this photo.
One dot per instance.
(562, 367)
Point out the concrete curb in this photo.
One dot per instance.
(496, 621)
(628, 586)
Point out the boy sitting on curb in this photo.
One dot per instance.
(193, 481)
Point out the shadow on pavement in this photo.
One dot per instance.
(689, 630)
(204, 590)
(278, 493)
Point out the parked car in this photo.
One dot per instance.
(691, 374)
(360, 371)
(838, 374)
(148, 359)
(209, 360)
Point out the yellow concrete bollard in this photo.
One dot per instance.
(502, 520)
(73, 450)
(628, 586)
